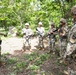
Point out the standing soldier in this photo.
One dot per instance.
(71, 46)
(27, 33)
(51, 35)
(62, 31)
(0, 45)
(40, 31)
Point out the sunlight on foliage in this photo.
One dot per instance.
(11, 60)
(33, 67)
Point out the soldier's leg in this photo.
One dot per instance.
(29, 43)
(64, 43)
(53, 45)
(42, 43)
(39, 43)
(69, 50)
(60, 45)
(73, 54)
(24, 44)
(49, 43)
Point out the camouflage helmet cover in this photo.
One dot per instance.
(73, 10)
(63, 20)
(40, 23)
(26, 24)
(52, 23)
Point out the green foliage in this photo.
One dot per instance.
(38, 62)
(32, 73)
(35, 58)
(60, 73)
(43, 57)
(31, 56)
(12, 73)
(16, 13)
(11, 60)
(20, 65)
(33, 67)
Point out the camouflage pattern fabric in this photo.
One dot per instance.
(72, 35)
(62, 45)
(51, 42)
(71, 46)
(63, 41)
(51, 39)
(40, 44)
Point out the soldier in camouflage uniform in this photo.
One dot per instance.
(62, 31)
(71, 47)
(27, 33)
(0, 44)
(41, 32)
(51, 37)
(70, 53)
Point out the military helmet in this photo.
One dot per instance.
(63, 20)
(40, 23)
(73, 10)
(52, 23)
(26, 24)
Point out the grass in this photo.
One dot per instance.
(31, 63)
(11, 61)
(18, 67)
(33, 67)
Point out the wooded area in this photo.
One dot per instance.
(34, 61)
(18, 12)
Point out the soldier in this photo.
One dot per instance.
(51, 35)
(71, 46)
(62, 31)
(72, 35)
(0, 45)
(40, 31)
(27, 33)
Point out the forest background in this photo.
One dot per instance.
(17, 12)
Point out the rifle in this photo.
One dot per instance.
(56, 29)
(39, 33)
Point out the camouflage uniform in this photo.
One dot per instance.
(71, 46)
(40, 31)
(0, 44)
(27, 32)
(63, 30)
(51, 37)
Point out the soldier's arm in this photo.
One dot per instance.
(23, 31)
(74, 35)
(42, 32)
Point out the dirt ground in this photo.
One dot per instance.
(12, 47)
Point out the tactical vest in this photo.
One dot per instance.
(72, 34)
